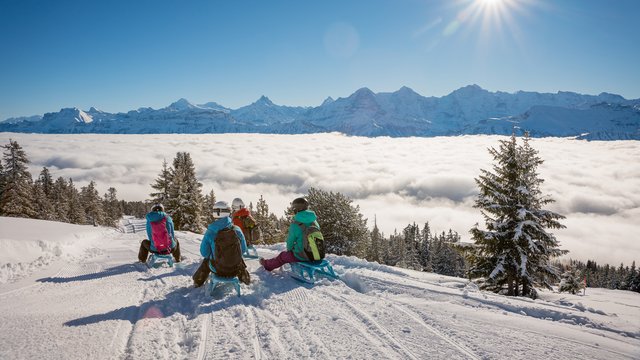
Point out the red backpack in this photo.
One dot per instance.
(160, 236)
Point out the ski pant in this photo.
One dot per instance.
(145, 248)
(285, 257)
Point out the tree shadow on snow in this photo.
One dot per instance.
(116, 270)
(192, 302)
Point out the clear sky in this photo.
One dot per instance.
(121, 55)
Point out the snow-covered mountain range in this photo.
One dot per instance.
(468, 110)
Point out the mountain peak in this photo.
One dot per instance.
(327, 101)
(470, 90)
(264, 100)
(406, 91)
(363, 91)
(181, 104)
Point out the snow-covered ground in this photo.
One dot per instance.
(75, 292)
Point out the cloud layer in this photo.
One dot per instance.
(395, 180)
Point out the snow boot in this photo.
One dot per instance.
(244, 277)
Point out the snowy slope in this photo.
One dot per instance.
(98, 304)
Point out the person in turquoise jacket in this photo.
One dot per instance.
(157, 214)
(295, 243)
(221, 214)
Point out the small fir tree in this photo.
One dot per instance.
(60, 200)
(185, 195)
(514, 252)
(572, 281)
(207, 207)
(162, 185)
(76, 210)
(341, 223)
(112, 207)
(17, 195)
(42, 203)
(92, 204)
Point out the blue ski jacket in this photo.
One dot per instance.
(156, 216)
(208, 245)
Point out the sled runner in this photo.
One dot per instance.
(157, 260)
(214, 280)
(306, 271)
(251, 253)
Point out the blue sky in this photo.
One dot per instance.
(121, 55)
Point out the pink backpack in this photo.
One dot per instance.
(160, 235)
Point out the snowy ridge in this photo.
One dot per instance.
(468, 110)
(102, 305)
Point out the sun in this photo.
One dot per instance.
(490, 2)
(495, 13)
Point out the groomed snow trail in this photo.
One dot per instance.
(102, 305)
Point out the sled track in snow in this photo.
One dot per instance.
(380, 331)
(204, 334)
(257, 344)
(463, 349)
(577, 342)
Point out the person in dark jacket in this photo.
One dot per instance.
(295, 243)
(157, 215)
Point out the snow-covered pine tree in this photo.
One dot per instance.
(515, 251)
(46, 181)
(60, 201)
(162, 185)
(411, 235)
(76, 210)
(572, 281)
(342, 225)
(207, 208)
(439, 258)
(92, 204)
(376, 243)
(265, 220)
(112, 208)
(185, 195)
(425, 248)
(17, 196)
(2, 179)
(44, 207)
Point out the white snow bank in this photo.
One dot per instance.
(28, 244)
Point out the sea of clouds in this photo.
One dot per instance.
(397, 181)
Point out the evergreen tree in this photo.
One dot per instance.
(207, 207)
(92, 204)
(376, 244)
(17, 195)
(46, 182)
(137, 209)
(162, 185)
(425, 248)
(267, 222)
(411, 235)
(112, 207)
(60, 200)
(185, 195)
(44, 207)
(572, 281)
(2, 179)
(76, 210)
(342, 225)
(515, 251)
